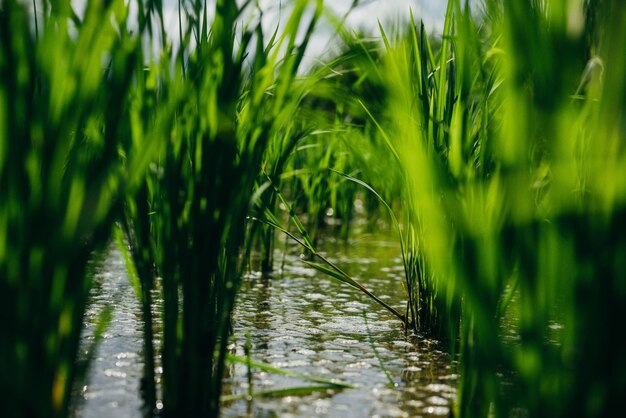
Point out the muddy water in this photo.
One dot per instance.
(297, 320)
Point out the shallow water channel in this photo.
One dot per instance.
(298, 320)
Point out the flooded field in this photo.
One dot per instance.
(297, 320)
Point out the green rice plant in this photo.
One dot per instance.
(418, 92)
(313, 188)
(351, 78)
(502, 136)
(438, 107)
(560, 228)
(300, 155)
(192, 227)
(63, 80)
(358, 74)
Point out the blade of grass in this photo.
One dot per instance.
(290, 391)
(288, 373)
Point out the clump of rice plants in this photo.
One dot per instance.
(502, 136)
(417, 101)
(63, 80)
(199, 194)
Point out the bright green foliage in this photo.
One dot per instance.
(510, 140)
(413, 126)
(61, 85)
(498, 151)
(189, 220)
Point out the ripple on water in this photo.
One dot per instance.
(334, 331)
(291, 363)
(440, 388)
(113, 379)
(437, 400)
(303, 351)
(403, 344)
(302, 322)
(437, 410)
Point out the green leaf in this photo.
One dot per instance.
(330, 384)
(330, 272)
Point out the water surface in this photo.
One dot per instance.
(112, 386)
(305, 322)
(297, 320)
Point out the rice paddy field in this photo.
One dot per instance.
(308, 208)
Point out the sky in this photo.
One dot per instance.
(363, 17)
